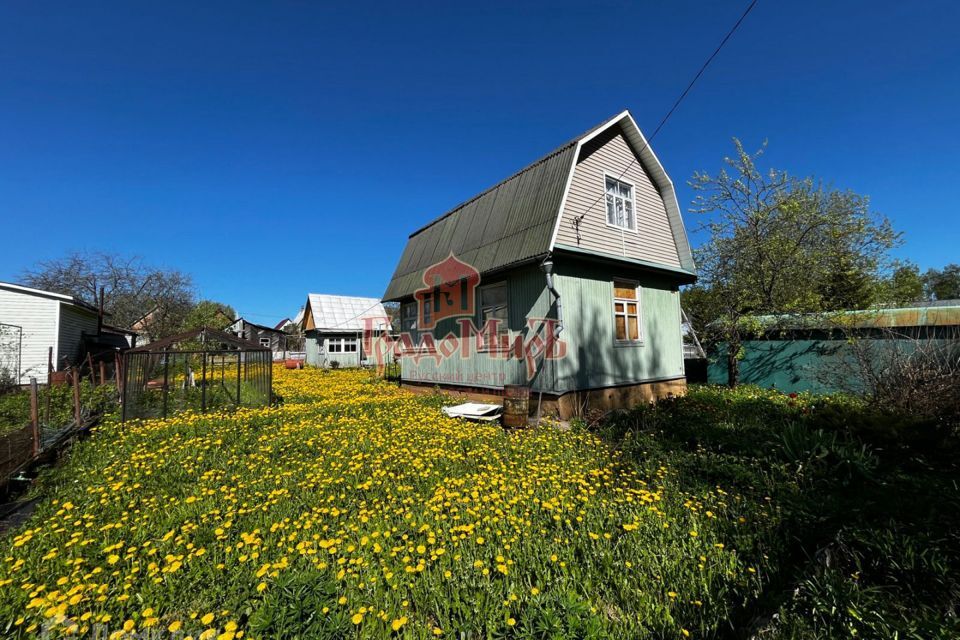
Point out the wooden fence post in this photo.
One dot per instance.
(35, 416)
(76, 396)
(117, 373)
(103, 372)
(93, 375)
(49, 381)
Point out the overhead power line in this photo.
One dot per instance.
(676, 104)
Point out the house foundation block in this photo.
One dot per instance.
(569, 405)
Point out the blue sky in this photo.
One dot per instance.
(271, 149)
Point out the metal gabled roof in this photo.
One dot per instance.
(924, 314)
(342, 313)
(508, 223)
(515, 221)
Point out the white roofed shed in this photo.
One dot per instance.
(334, 327)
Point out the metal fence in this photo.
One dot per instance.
(11, 348)
(39, 419)
(160, 383)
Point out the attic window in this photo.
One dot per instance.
(620, 212)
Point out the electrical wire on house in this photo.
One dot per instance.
(726, 38)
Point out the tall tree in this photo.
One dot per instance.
(904, 285)
(777, 245)
(943, 284)
(208, 313)
(133, 290)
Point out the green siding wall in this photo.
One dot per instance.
(311, 346)
(314, 358)
(527, 297)
(592, 360)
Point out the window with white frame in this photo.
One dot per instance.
(492, 305)
(620, 211)
(264, 342)
(341, 345)
(626, 312)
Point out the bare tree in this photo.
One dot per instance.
(133, 290)
(914, 371)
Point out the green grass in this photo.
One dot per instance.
(866, 538)
(55, 404)
(357, 510)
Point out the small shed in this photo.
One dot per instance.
(334, 328)
(51, 328)
(201, 370)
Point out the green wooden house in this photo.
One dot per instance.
(585, 246)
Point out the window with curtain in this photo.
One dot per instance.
(427, 309)
(626, 311)
(492, 303)
(408, 317)
(620, 204)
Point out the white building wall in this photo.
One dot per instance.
(38, 318)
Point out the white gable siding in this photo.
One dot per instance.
(38, 318)
(653, 240)
(74, 324)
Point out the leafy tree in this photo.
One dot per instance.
(134, 291)
(208, 313)
(903, 287)
(779, 244)
(943, 284)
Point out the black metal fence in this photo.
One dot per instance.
(160, 383)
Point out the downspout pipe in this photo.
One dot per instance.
(547, 267)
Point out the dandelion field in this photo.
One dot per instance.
(355, 509)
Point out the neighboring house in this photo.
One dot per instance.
(46, 320)
(602, 213)
(284, 324)
(142, 325)
(334, 328)
(273, 339)
(822, 353)
(124, 338)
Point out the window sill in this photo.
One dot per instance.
(628, 343)
(624, 229)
